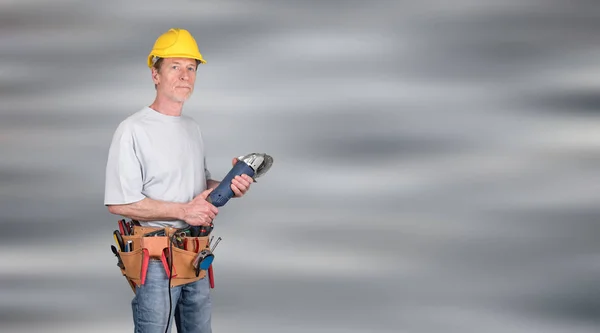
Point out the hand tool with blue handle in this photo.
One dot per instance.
(253, 165)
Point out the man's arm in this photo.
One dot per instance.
(150, 210)
(196, 212)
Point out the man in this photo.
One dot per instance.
(156, 174)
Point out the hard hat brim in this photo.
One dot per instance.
(151, 63)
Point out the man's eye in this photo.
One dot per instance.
(174, 67)
(191, 69)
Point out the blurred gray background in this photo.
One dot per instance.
(437, 163)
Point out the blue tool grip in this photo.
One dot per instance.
(206, 262)
(222, 193)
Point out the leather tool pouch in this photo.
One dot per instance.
(157, 248)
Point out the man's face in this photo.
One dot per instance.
(175, 79)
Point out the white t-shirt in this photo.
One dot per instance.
(156, 156)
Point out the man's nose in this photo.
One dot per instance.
(184, 76)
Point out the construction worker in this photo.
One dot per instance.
(156, 174)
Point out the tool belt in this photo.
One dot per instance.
(134, 258)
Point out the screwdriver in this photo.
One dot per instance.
(216, 243)
(119, 240)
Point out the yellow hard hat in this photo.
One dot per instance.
(175, 43)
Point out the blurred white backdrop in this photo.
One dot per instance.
(435, 162)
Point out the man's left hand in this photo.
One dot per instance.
(240, 184)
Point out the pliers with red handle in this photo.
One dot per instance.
(165, 260)
(211, 277)
(145, 261)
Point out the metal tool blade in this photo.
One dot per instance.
(259, 162)
(265, 166)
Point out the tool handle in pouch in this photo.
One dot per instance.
(211, 276)
(203, 261)
(222, 193)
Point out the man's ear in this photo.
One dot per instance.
(155, 75)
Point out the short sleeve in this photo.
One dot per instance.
(207, 174)
(124, 183)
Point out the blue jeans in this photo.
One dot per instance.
(191, 304)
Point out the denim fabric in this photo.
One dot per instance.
(191, 304)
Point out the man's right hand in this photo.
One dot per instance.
(199, 211)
